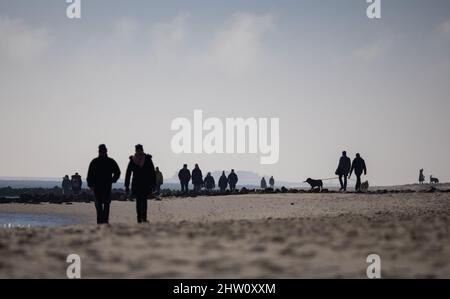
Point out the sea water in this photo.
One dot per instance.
(23, 220)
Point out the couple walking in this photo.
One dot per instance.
(346, 168)
(104, 171)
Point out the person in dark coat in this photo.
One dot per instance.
(359, 166)
(77, 183)
(144, 180)
(343, 169)
(232, 180)
(223, 182)
(66, 186)
(103, 172)
(184, 175)
(263, 184)
(197, 178)
(209, 182)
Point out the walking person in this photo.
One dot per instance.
(342, 170)
(77, 183)
(272, 183)
(223, 182)
(359, 166)
(159, 181)
(103, 172)
(209, 182)
(184, 175)
(232, 180)
(144, 180)
(263, 184)
(197, 179)
(66, 186)
(421, 176)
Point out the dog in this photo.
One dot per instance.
(315, 184)
(434, 180)
(364, 186)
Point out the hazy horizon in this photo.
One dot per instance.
(120, 75)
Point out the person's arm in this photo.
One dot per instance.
(90, 176)
(351, 170)
(116, 172)
(128, 176)
(364, 167)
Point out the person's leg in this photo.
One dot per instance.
(138, 208)
(144, 209)
(358, 182)
(345, 182)
(98, 208)
(341, 182)
(106, 207)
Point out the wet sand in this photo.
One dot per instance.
(243, 236)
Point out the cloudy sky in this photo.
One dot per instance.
(121, 74)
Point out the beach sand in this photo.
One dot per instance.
(244, 236)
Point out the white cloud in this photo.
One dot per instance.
(444, 29)
(239, 46)
(19, 42)
(168, 37)
(372, 51)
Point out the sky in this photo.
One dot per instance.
(123, 72)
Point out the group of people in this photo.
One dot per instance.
(144, 179)
(185, 176)
(346, 168)
(72, 185)
(141, 175)
(264, 183)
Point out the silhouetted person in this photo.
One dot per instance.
(343, 169)
(272, 182)
(66, 185)
(184, 175)
(159, 181)
(421, 176)
(359, 166)
(197, 178)
(77, 183)
(209, 182)
(223, 182)
(232, 180)
(263, 183)
(144, 180)
(103, 172)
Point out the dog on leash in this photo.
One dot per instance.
(315, 184)
(434, 180)
(364, 186)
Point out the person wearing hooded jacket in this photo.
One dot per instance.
(223, 182)
(142, 170)
(209, 182)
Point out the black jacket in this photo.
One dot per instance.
(144, 178)
(184, 175)
(233, 178)
(209, 182)
(223, 182)
(197, 176)
(103, 172)
(358, 166)
(344, 166)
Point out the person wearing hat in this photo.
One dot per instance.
(103, 172)
(144, 180)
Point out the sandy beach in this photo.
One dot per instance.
(243, 236)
